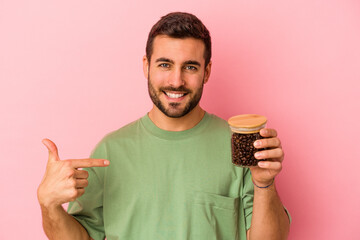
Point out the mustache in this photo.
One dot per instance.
(179, 89)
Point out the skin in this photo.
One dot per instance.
(177, 66)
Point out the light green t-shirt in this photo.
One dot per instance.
(163, 185)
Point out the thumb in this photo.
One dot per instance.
(53, 151)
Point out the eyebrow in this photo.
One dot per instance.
(190, 62)
(164, 60)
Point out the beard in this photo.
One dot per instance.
(174, 109)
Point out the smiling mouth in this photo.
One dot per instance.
(174, 95)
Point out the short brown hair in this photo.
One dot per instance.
(180, 25)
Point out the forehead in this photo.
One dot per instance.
(178, 49)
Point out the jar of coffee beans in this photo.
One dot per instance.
(245, 131)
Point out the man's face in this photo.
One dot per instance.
(176, 74)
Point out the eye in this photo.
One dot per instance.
(164, 65)
(192, 68)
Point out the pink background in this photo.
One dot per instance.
(72, 71)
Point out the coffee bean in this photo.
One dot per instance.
(243, 149)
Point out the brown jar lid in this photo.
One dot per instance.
(247, 121)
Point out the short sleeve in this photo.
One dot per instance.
(88, 209)
(248, 197)
(288, 214)
(246, 203)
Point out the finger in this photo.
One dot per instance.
(81, 174)
(53, 151)
(275, 166)
(89, 162)
(80, 192)
(267, 143)
(268, 132)
(272, 153)
(81, 183)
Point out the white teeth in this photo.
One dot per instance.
(174, 95)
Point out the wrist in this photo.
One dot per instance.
(50, 207)
(46, 202)
(263, 184)
(52, 212)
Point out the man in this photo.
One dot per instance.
(171, 175)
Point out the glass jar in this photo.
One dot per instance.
(245, 131)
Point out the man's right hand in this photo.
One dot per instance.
(63, 181)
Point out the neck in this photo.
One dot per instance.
(176, 124)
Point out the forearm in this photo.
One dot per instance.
(58, 224)
(269, 219)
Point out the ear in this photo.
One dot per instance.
(146, 66)
(207, 72)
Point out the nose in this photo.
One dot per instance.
(176, 78)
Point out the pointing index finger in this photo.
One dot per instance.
(89, 162)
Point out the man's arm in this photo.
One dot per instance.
(269, 219)
(58, 224)
(63, 182)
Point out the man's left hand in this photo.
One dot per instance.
(264, 173)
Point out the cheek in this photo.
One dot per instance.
(195, 82)
(158, 78)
